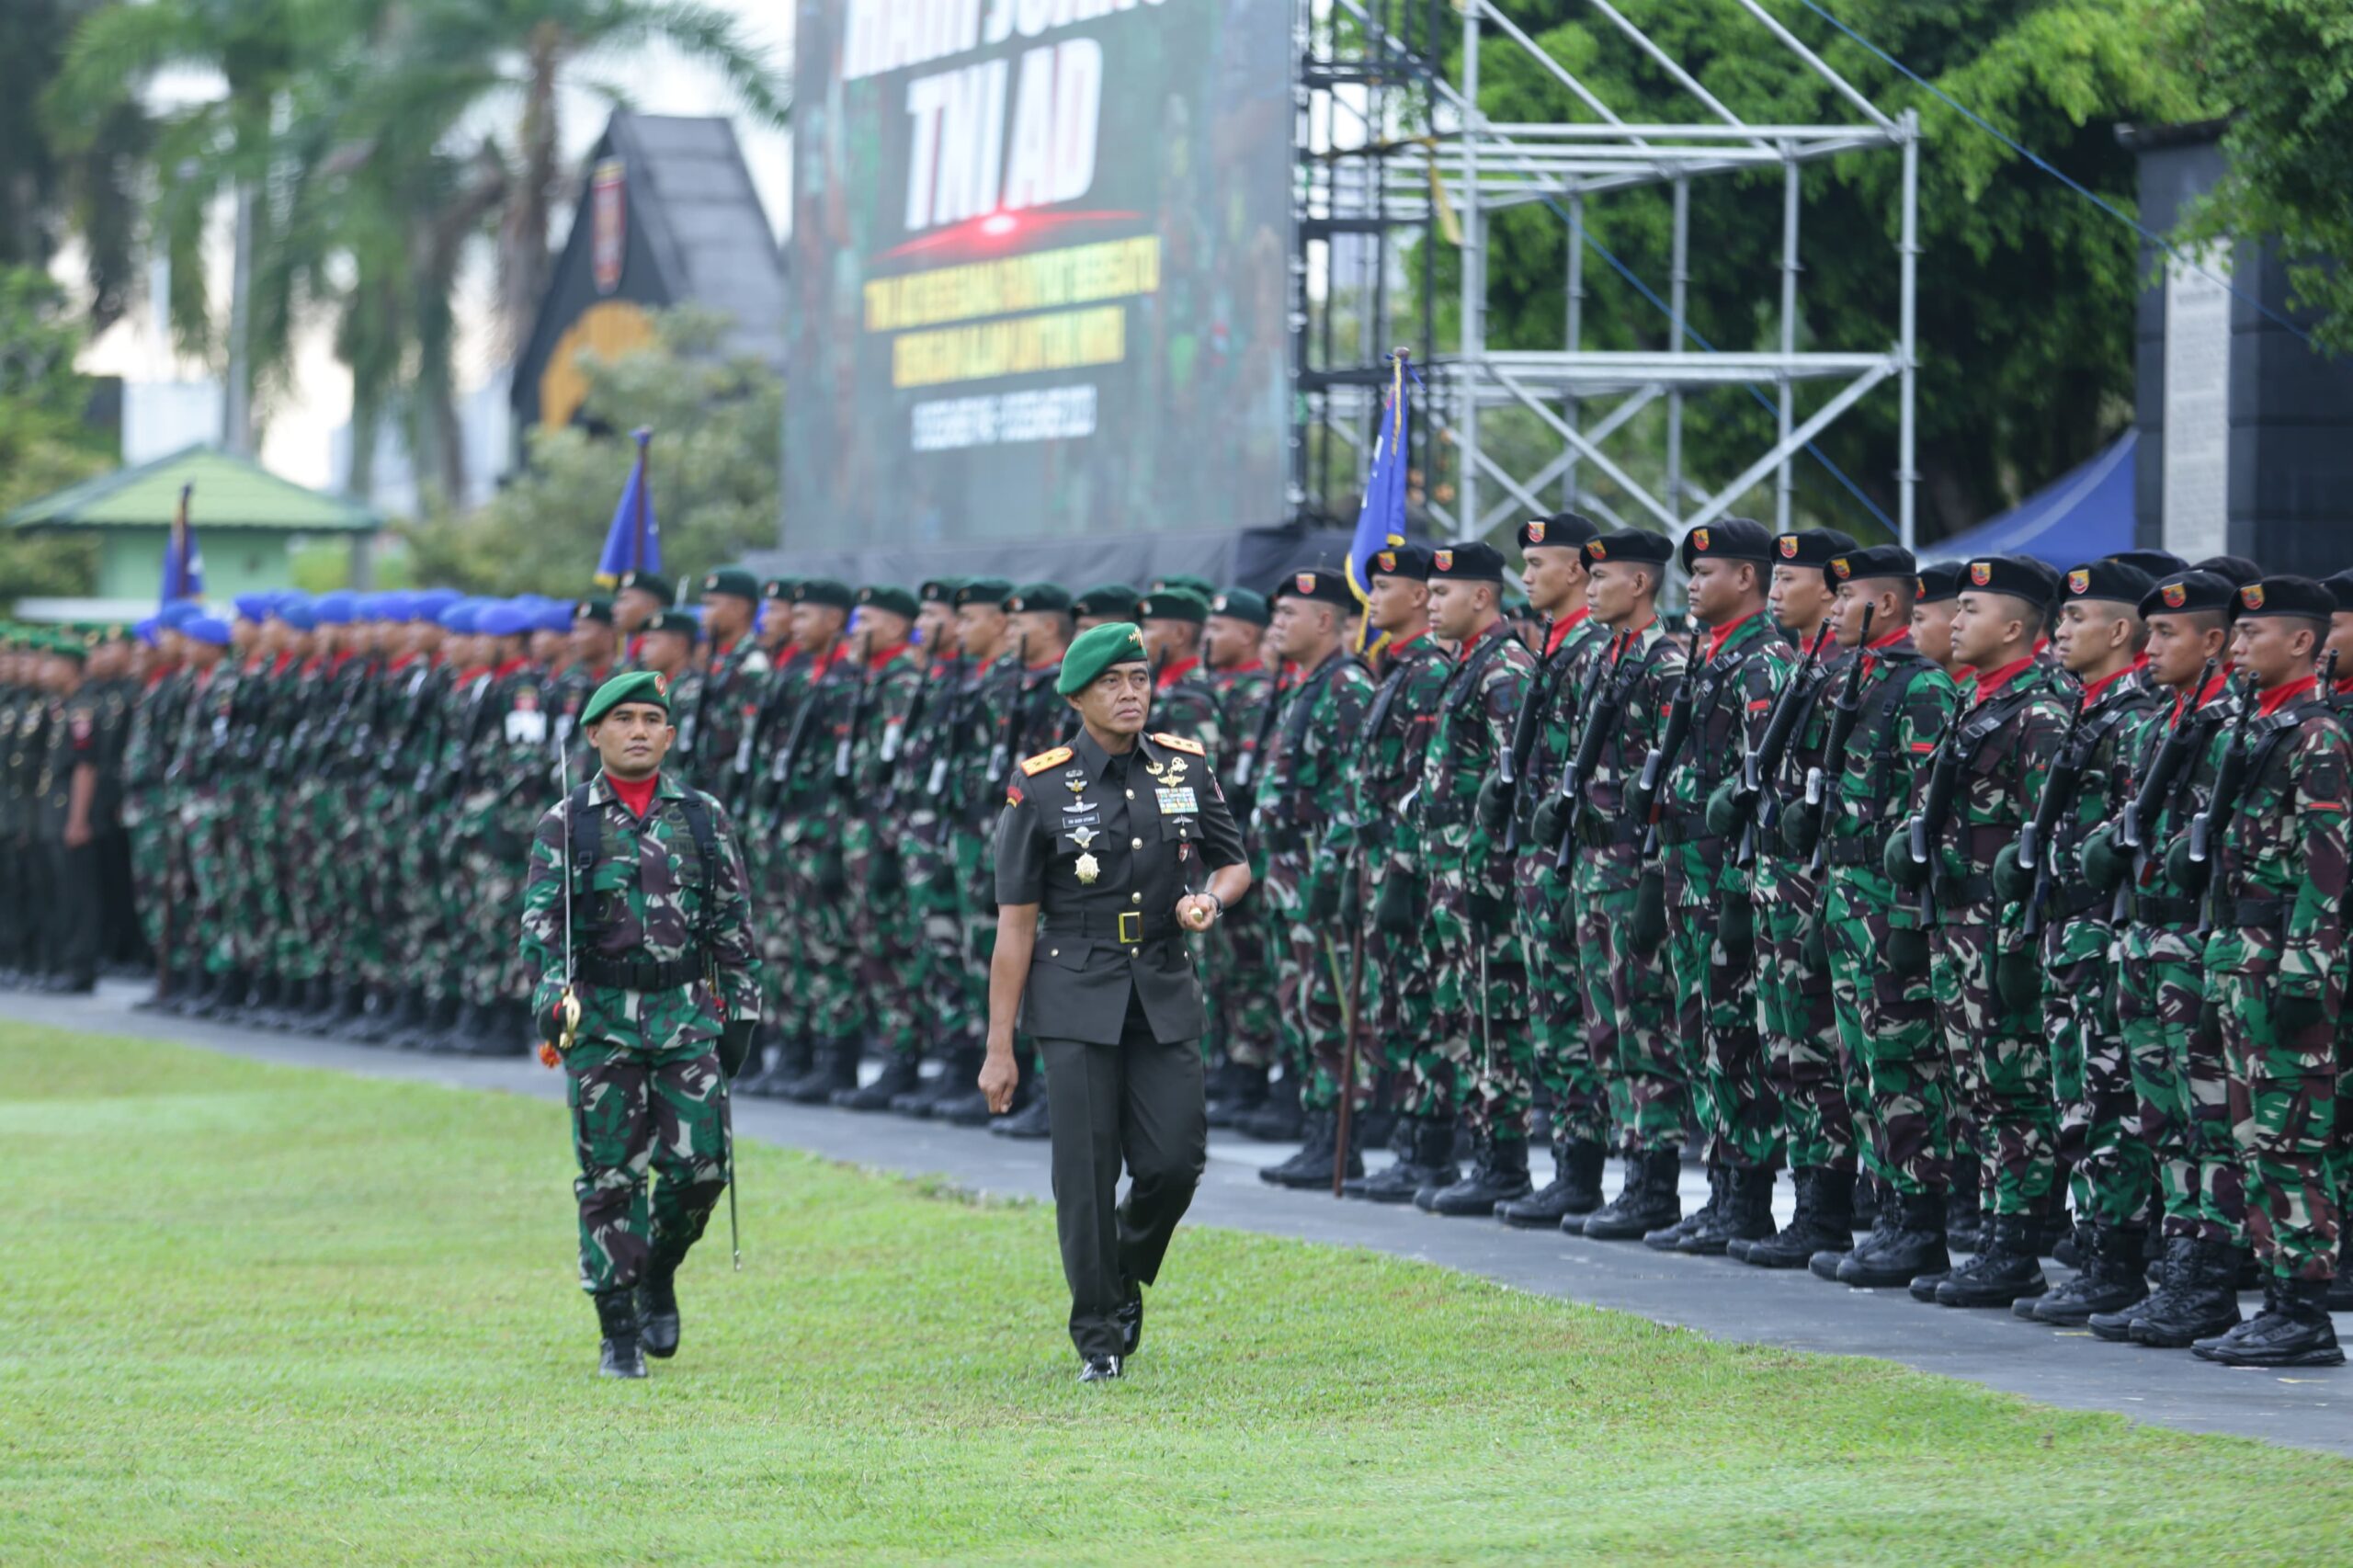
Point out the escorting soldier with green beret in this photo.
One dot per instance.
(1888, 707)
(1243, 1027)
(637, 931)
(1110, 850)
(1982, 782)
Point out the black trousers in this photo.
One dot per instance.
(1139, 1102)
(72, 915)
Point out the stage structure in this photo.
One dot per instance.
(1391, 146)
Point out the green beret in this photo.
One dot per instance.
(984, 591)
(777, 588)
(941, 590)
(1186, 581)
(64, 645)
(596, 607)
(1242, 605)
(1114, 599)
(1096, 650)
(1172, 603)
(883, 595)
(675, 620)
(649, 583)
(1039, 596)
(824, 590)
(637, 686)
(732, 581)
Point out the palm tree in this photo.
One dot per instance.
(46, 188)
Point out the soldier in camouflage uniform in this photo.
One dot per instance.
(782, 1024)
(733, 679)
(63, 784)
(1485, 1054)
(1889, 707)
(400, 783)
(1982, 780)
(1375, 844)
(1301, 795)
(651, 991)
(1183, 701)
(1623, 705)
(1738, 667)
(2273, 860)
(156, 870)
(1816, 1086)
(2097, 640)
(109, 693)
(1241, 985)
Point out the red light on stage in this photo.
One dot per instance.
(996, 225)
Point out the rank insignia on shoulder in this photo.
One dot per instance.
(1013, 794)
(1178, 743)
(1034, 765)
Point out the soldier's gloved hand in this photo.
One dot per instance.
(1719, 808)
(1550, 824)
(2292, 1014)
(2104, 863)
(1394, 913)
(1897, 862)
(1321, 903)
(2013, 878)
(1487, 911)
(1800, 829)
(1737, 931)
(734, 1047)
(2186, 875)
(2018, 977)
(1647, 929)
(1816, 945)
(1908, 951)
(1494, 806)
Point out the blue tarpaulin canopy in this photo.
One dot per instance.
(2082, 516)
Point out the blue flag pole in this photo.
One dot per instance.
(1381, 521)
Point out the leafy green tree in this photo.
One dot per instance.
(47, 189)
(45, 444)
(715, 460)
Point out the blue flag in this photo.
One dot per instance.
(183, 562)
(634, 541)
(1380, 524)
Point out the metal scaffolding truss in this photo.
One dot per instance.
(1391, 146)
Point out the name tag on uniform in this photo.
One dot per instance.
(527, 726)
(1177, 803)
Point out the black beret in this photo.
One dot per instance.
(675, 620)
(2285, 596)
(1728, 538)
(2341, 586)
(1475, 561)
(732, 581)
(650, 582)
(824, 590)
(594, 608)
(1813, 547)
(2155, 562)
(1238, 604)
(1319, 582)
(1567, 530)
(1940, 581)
(2020, 576)
(941, 590)
(1638, 545)
(1039, 596)
(2237, 568)
(777, 588)
(1115, 601)
(1861, 565)
(2189, 592)
(1410, 561)
(888, 596)
(2108, 579)
(984, 591)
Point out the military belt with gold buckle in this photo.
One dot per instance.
(1131, 928)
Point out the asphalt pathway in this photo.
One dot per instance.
(1724, 1299)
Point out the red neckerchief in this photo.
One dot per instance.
(1989, 685)
(1889, 641)
(161, 673)
(637, 794)
(253, 663)
(466, 676)
(881, 656)
(1251, 668)
(721, 650)
(279, 665)
(2278, 697)
(402, 662)
(1499, 628)
(1174, 671)
(2139, 660)
(2345, 686)
(2213, 689)
(1562, 626)
(510, 667)
(2041, 647)
(311, 665)
(2098, 689)
(1717, 638)
(1043, 663)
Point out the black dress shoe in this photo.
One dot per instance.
(1099, 1370)
(620, 1356)
(657, 1313)
(1130, 1318)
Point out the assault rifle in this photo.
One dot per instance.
(1609, 702)
(1001, 754)
(845, 748)
(2209, 826)
(1764, 761)
(1512, 766)
(2039, 835)
(1645, 803)
(1843, 714)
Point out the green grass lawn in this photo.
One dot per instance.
(260, 1314)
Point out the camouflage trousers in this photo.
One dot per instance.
(204, 824)
(631, 1114)
(2181, 1085)
(494, 861)
(1396, 995)
(309, 937)
(764, 866)
(2113, 1174)
(159, 878)
(1887, 1024)
(1628, 1014)
(1241, 985)
(976, 905)
(1812, 1076)
(927, 861)
(2007, 1062)
(401, 840)
(885, 940)
(1483, 1033)
(818, 893)
(1714, 986)
(1307, 997)
(1564, 1047)
(2284, 1118)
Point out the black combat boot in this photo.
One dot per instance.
(1965, 1217)
(971, 1108)
(367, 1025)
(2340, 1293)
(617, 1315)
(1887, 1224)
(1826, 1204)
(761, 1069)
(2109, 1281)
(1916, 1246)
(2072, 1250)
(212, 999)
(899, 1075)
(1279, 1119)
(1029, 1122)
(1746, 1214)
(2199, 1302)
(835, 1068)
(959, 1069)
(1427, 1161)
(1648, 1201)
(1498, 1175)
(1310, 1170)
(345, 1002)
(657, 1309)
(2008, 1269)
(2172, 1264)
(1668, 1238)
(1238, 1090)
(400, 1023)
(506, 1030)
(2292, 1330)
(1573, 1191)
(1870, 1193)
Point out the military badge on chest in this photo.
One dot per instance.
(1174, 795)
